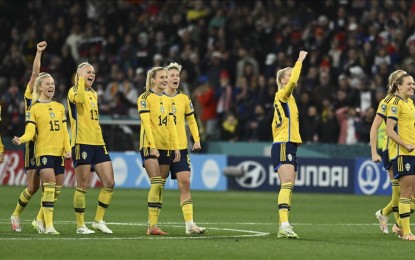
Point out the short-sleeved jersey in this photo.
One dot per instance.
(404, 113)
(28, 96)
(285, 124)
(156, 121)
(182, 109)
(383, 108)
(49, 120)
(84, 116)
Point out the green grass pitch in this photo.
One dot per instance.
(240, 225)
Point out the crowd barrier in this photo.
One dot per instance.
(315, 175)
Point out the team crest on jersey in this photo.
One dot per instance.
(162, 109)
(143, 104)
(32, 161)
(44, 160)
(290, 157)
(84, 155)
(27, 115)
(92, 104)
(173, 109)
(52, 115)
(394, 110)
(407, 167)
(383, 108)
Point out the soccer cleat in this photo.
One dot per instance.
(15, 220)
(51, 231)
(397, 230)
(156, 231)
(101, 226)
(409, 237)
(38, 226)
(84, 231)
(383, 222)
(195, 229)
(287, 232)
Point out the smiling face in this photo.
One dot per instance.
(47, 88)
(173, 79)
(407, 88)
(160, 81)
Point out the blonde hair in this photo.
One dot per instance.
(38, 83)
(174, 66)
(151, 74)
(280, 75)
(80, 66)
(392, 80)
(398, 82)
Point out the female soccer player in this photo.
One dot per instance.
(32, 179)
(47, 120)
(400, 128)
(88, 149)
(381, 115)
(286, 133)
(182, 111)
(158, 137)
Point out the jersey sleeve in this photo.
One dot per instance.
(77, 94)
(30, 129)
(394, 111)
(144, 112)
(191, 121)
(1, 146)
(287, 90)
(28, 93)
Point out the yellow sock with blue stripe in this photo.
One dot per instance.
(284, 201)
(24, 199)
(404, 214)
(79, 206)
(396, 194)
(163, 183)
(104, 200)
(48, 202)
(153, 200)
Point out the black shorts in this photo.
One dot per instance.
(29, 156)
(181, 166)
(385, 160)
(284, 153)
(83, 154)
(403, 165)
(57, 163)
(165, 157)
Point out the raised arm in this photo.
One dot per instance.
(295, 75)
(41, 46)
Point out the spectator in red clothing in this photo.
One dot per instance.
(206, 98)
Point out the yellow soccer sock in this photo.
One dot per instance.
(396, 193)
(163, 183)
(405, 213)
(40, 216)
(412, 204)
(387, 209)
(48, 201)
(153, 200)
(284, 198)
(187, 209)
(24, 199)
(79, 205)
(104, 200)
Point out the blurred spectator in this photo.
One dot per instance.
(230, 129)
(206, 97)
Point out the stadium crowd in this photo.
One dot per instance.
(229, 50)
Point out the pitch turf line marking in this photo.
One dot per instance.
(251, 233)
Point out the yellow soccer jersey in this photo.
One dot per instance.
(404, 113)
(28, 96)
(157, 122)
(48, 121)
(285, 125)
(383, 108)
(1, 144)
(84, 115)
(182, 108)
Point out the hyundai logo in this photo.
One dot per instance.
(368, 177)
(254, 176)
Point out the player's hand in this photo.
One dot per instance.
(16, 140)
(68, 155)
(1, 157)
(409, 147)
(176, 155)
(302, 55)
(41, 46)
(154, 153)
(196, 146)
(376, 158)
